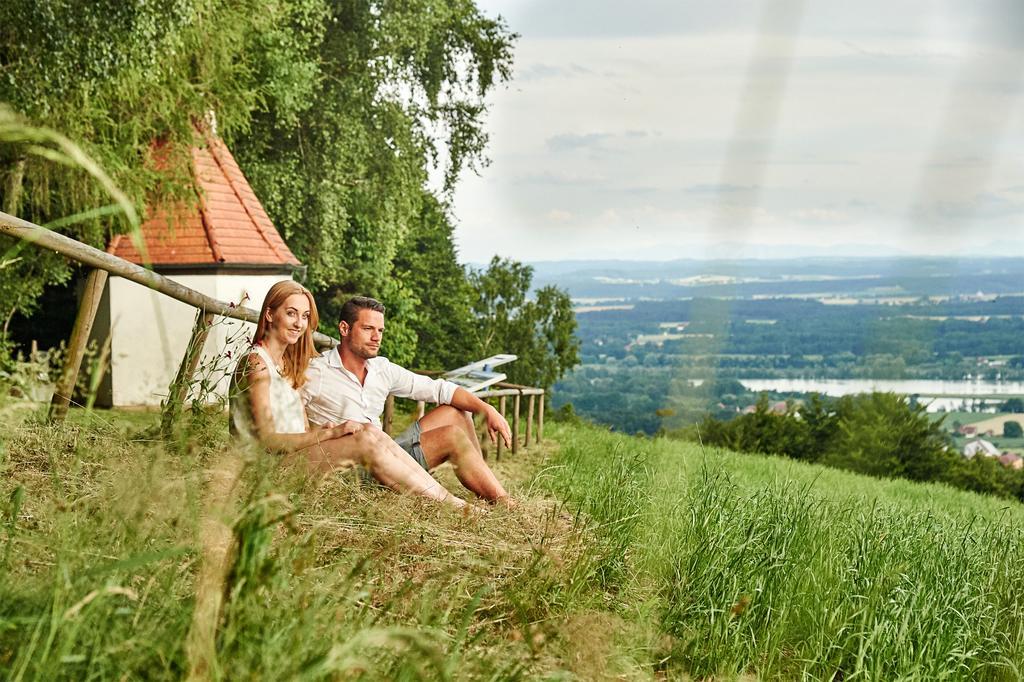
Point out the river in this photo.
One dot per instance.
(938, 395)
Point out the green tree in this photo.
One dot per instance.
(398, 89)
(1014, 405)
(18, 289)
(766, 431)
(541, 332)
(116, 76)
(756, 431)
(821, 420)
(880, 434)
(336, 111)
(443, 316)
(985, 475)
(1012, 429)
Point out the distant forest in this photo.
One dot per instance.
(632, 382)
(782, 332)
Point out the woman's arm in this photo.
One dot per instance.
(256, 384)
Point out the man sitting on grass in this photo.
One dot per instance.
(351, 383)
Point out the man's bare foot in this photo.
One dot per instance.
(506, 501)
(474, 510)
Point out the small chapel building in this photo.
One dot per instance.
(223, 246)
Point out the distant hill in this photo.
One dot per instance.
(684, 278)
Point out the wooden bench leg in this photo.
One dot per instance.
(179, 389)
(540, 419)
(529, 421)
(515, 423)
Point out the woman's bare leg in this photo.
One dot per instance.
(389, 463)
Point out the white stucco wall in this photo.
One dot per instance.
(150, 332)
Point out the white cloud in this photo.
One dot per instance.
(558, 215)
(620, 129)
(818, 215)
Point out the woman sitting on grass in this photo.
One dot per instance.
(265, 403)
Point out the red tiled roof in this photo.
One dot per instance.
(227, 225)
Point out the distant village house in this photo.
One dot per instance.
(1012, 460)
(982, 447)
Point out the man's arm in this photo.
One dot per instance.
(406, 384)
(496, 424)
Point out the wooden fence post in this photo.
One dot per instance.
(91, 296)
(515, 422)
(99, 369)
(501, 409)
(178, 391)
(389, 414)
(529, 420)
(540, 419)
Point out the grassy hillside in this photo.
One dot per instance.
(629, 558)
(767, 566)
(103, 530)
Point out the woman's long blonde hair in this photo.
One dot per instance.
(298, 354)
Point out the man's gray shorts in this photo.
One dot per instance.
(409, 440)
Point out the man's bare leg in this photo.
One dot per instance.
(448, 435)
(389, 464)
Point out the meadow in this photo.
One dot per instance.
(629, 557)
(779, 569)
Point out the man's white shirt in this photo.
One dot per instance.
(332, 394)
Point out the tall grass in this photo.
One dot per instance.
(754, 565)
(610, 494)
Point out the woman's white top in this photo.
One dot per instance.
(285, 402)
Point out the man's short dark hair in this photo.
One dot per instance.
(350, 310)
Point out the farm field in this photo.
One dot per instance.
(983, 422)
(958, 416)
(630, 557)
(995, 424)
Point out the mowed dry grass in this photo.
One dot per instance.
(106, 526)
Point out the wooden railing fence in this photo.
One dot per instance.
(103, 264)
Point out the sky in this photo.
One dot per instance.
(663, 129)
